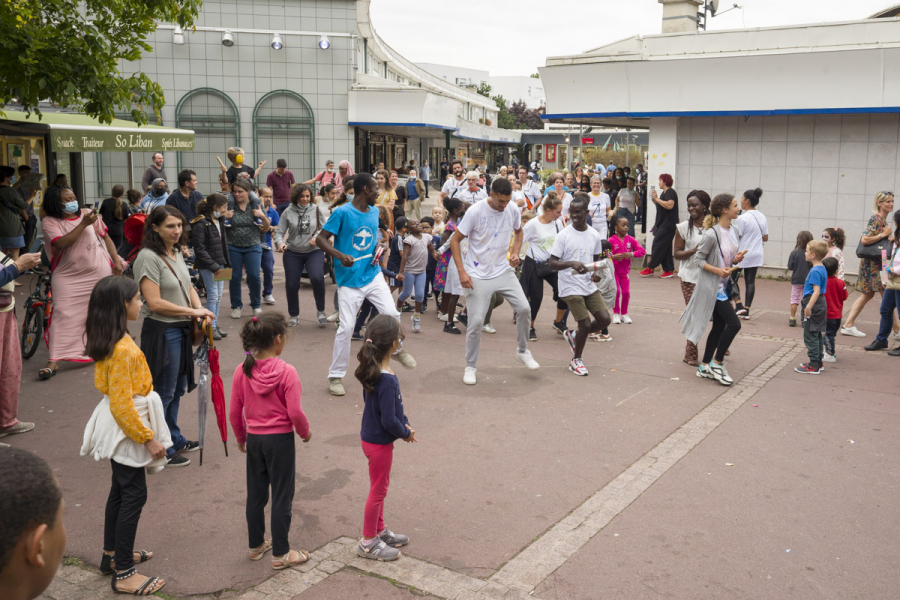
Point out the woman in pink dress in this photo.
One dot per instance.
(81, 254)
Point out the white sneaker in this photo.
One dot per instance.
(528, 360)
(469, 376)
(320, 317)
(626, 319)
(442, 317)
(257, 311)
(617, 320)
(852, 331)
(293, 321)
(270, 299)
(236, 313)
(829, 358)
(488, 328)
(577, 367)
(333, 317)
(336, 386)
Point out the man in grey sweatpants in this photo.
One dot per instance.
(490, 225)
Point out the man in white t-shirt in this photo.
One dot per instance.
(599, 207)
(530, 189)
(486, 270)
(471, 193)
(455, 183)
(573, 247)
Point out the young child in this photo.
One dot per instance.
(836, 239)
(416, 250)
(268, 259)
(835, 294)
(607, 287)
(31, 519)
(439, 215)
(128, 428)
(265, 412)
(383, 423)
(455, 210)
(814, 308)
(395, 255)
(428, 230)
(799, 268)
(624, 248)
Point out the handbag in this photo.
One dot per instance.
(873, 251)
(197, 332)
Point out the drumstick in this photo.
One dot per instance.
(220, 162)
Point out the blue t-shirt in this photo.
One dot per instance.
(817, 276)
(272, 214)
(354, 235)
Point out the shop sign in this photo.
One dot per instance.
(67, 140)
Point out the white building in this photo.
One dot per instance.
(460, 76)
(529, 90)
(808, 113)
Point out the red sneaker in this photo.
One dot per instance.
(667, 275)
(646, 273)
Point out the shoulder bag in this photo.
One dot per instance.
(196, 328)
(873, 251)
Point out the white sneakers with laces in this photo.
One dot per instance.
(577, 367)
(528, 360)
(469, 376)
(617, 320)
(852, 331)
(626, 320)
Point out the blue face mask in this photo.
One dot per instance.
(350, 197)
(71, 207)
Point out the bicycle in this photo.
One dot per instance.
(37, 315)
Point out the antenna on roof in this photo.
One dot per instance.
(711, 9)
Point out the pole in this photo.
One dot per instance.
(131, 171)
(627, 148)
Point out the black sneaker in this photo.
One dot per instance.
(189, 446)
(429, 295)
(407, 308)
(532, 335)
(895, 352)
(463, 318)
(356, 337)
(560, 327)
(876, 345)
(177, 460)
(451, 328)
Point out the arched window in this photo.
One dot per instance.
(284, 127)
(214, 118)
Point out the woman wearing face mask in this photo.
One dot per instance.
(81, 254)
(156, 196)
(211, 252)
(295, 236)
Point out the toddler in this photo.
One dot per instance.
(814, 308)
(835, 294)
(439, 215)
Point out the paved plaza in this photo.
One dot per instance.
(639, 481)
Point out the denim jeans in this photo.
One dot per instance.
(268, 269)
(171, 387)
(251, 259)
(624, 212)
(214, 291)
(889, 303)
(293, 268)
(413, 282)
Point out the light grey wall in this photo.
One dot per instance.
(816, 171)
(251, 68)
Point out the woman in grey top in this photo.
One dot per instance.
(295, 236)
(716, 255)
(687, 237)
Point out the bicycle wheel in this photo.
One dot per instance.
(32, 330)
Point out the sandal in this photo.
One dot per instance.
(283, 562)
(46, 373)
(257, 553)
(108, 564)
(147, 588)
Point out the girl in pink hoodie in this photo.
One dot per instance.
(265, 412)
(624, 248)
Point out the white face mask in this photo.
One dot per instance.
(350, 197)
(217, 214)
(413, 177)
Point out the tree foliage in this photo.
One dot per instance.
(526, 118)
(69, 52)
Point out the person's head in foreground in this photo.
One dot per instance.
(32, 534)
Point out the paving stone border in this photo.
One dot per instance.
(518, 578)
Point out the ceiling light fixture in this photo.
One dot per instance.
(178, 36)
(227, 39)
(277, 42)
(324, 44)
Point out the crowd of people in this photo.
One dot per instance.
(489, 241)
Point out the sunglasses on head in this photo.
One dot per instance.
(887, 193)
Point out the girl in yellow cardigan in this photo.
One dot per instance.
(118, 429)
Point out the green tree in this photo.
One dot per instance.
(504, 119)
(535, 75)
(69, 51)
(484, 89)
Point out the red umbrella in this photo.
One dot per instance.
(217, 395)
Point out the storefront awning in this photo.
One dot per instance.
(70, 132)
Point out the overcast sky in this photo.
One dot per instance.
(514, 37)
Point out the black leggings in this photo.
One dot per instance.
(750, 280)
(126, 500)
(533, 286)
(725, 327)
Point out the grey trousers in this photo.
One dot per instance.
(478, 300)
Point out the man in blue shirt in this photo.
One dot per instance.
(354, 227)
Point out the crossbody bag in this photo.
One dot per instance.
(196, 328)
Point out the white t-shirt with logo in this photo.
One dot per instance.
(577, 246)
(597, 208)
(489, 232)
